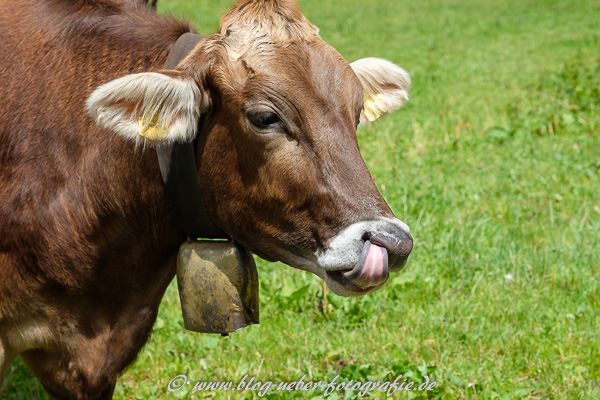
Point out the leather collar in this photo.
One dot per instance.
(178, 167)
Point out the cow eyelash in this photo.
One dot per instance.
(264, 118)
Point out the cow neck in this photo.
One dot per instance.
(178, 167)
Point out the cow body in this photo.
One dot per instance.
(87, 247)
(89, 239)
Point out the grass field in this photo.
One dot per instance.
(494, 164)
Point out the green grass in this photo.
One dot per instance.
(494, 164)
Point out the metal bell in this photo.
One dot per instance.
(218, 286)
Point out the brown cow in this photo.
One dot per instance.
(89, 239)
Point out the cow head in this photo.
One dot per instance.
(276, 112)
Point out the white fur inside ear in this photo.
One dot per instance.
(139, 105)
(385, 87)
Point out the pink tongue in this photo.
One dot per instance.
(375, 268)
(372, 268)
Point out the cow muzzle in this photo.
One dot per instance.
(359, 259)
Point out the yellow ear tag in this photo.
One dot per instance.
(373, 106)
(151, 130)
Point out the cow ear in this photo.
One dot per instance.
(385, 87)
(149, 108)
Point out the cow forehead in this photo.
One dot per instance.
(274, 40)
(298, 67)
(276, 20)
(305, 79)
(257, 32)
(256, 38)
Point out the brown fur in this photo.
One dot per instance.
(246, 66)
(88, 237)
(77, 226)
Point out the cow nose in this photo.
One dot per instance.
(398, 244)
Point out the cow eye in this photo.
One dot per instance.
(263, 118)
